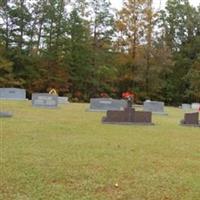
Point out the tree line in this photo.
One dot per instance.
(85, 48)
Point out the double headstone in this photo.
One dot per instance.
(128, 116)
(156, 107)
(104, 104)
(12, 93)
(44, 100)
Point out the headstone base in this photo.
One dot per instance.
(190, 125)
(129, 123)
(13, 99)
(160, 113)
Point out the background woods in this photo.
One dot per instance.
(86, 49)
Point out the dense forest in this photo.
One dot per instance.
(85, 48)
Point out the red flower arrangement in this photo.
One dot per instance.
(127, 95)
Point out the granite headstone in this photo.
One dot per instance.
(191, 119)
(128, 116)
(63, 100)
(186, 106)
(44, 100)
(104, 104)
(12, 93)
(156, 107)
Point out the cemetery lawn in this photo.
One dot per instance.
(67, 154)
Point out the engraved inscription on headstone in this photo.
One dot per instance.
(12, 93)
(104, 104)
(44, 100)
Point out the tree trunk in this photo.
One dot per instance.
(149, 44)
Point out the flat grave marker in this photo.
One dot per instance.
(5, 114)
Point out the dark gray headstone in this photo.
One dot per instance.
(5, 114)
(128, 116)
(12, 93)
(44, 100)
(104, 104)
(156, 107)
(191, 119)
(186, 106)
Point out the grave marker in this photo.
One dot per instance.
(12, 94)
(186, 106)
(5, 114)
(156, 107)
(191, 119)
(63, 100)
(44, 100)
(128, 116)
(195, 106)
(104, 104)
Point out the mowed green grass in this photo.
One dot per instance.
(66, 153)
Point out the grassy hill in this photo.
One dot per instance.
(66, 153)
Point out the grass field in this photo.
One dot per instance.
(67, 154)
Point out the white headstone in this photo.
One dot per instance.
(195, 106)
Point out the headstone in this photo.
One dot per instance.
(128, 116)
(63, 100)
(186, 106)
(156, 107)
(195, 106)
(191, 119)
(5, 114)
(148, 100)
(12, 93)
(44, 100)
(104, 104)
